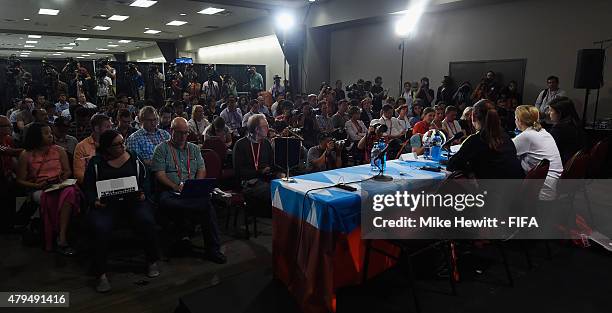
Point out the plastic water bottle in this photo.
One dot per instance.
(436, 148)
(383, 160)
(373, 157)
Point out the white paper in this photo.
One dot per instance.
(455, 148)
(411, 156)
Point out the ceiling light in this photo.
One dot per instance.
(211, 11)
(26, 51)
(31, 41)
(90, 53)
(26, 19)
(285, 21)
(118, 18)
(83, 29)
(82, 38)
(176, 23)
(56, 54)
(28, 46)
(143, 3)
(113, 46)
(72, 44)
(34, 36)
(68, 48)
(80, 57)
(125, 41)
(24, 55)
(102, 49)
(84, 55)
(182, 14)
(152, 31)
(102, 15)
(101, 28)
(147, 28)
(48, 12)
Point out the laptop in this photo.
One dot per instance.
(117, 188)
(197, 188)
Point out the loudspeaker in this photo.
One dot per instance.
(589, 69)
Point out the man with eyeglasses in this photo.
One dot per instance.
(86, 149)
(232, 115)
(143, 141)
(174, 162)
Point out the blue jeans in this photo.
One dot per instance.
(141, 217)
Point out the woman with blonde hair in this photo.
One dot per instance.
(535, 144)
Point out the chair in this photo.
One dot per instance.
(598, 156)
(218, 146)
(572, 179)
(213, 170)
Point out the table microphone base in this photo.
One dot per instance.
(383, 178)
(288, 179)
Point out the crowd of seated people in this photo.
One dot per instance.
(160, 145)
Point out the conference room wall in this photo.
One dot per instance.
(546, 33)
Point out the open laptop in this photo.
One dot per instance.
(197, 188)
(117, 188)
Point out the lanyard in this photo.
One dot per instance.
(176, 164)
(359, 130)
(255, 158)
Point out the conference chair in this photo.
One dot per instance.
(235, 200)
(573, 180)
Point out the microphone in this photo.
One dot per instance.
(447, 144)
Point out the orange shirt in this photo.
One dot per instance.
(83, 152)
(45, 167)
(420, 128)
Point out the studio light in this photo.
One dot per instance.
(285, 21)
(409, 19)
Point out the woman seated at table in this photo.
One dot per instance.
(566, 130)
(489, 153)
(112, 161)
(426, 123)
(41, 165)
(535, 144)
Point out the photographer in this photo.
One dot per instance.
(324, 120)
(158, 86)
(425, 93)
(339, 93)
(173, 82)
(136, 82)
(461, 99)
(229, 86)
(325, 156)
(211, 88)
(14, 77)
(375, 133)
(276, 89)
(379, 94)
(105, 84)
(112, 73)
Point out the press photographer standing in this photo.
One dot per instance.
(256, 83)
(425, 93)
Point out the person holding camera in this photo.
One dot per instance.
(136, 82)
(105, 84)
(324, 156)
(379, 94)
(277, 89)
(376, 132)
(425, 93)
(393, 127)
(158, 86)
(41, 165)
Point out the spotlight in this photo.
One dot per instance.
(285, 21)
(409, 19)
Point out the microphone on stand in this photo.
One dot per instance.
(447, 144)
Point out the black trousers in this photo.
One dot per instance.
(200, 210)
(258, 198)
(142, 220)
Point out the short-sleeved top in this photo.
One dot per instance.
(315, 153)
(43, 167)
(143, 143)
(173, 161)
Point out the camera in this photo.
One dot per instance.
(380, 128)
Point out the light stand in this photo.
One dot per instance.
(401, 82)
(584, 109)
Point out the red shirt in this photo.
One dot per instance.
(420, 128)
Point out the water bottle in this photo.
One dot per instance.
(426, 148)
(436, 148)
(373, 157)
(383, 160)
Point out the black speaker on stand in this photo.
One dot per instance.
(589, 74)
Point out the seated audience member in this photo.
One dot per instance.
(62, 104)
(211, 111)
(489, 153)
(376, 132)
(61, 137)
(8, 155)
(439, 115)
(566, 130)
(72, 106)
(166, 114)
(355, 128)
(198, 122)
(324, 156)
(426, 123)
(324, 120)
(402, 117)
(51, 114)
(218, 130)
(253, 109)
(310, 128)
(179, 109)
(340, 118)
(394, 129)
(466, 121)
(506, 113)
(366, 111)
(462, 98)
(253, 165)
(143, 141)
(113, 161)
(275, 106)
(110, 110)
(547, 95)
(174, 162)
(84, 103)
(535, 144)
(81, 127)
(22, 117)
(417, 111)
(86, 148)
(232, 115)
(124, 123)
(450, 125)
(40, 165)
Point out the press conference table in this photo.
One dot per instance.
(317, 245)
